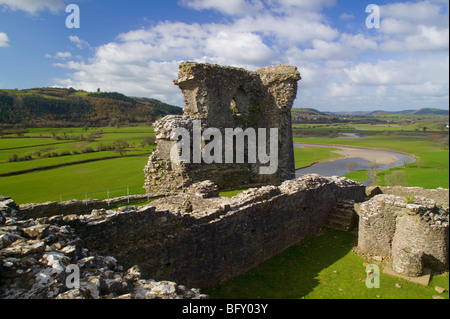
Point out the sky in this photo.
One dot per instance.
(135, 46)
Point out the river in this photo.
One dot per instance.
(359, 158)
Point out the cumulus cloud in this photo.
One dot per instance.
(59, 56)
(347, 70)
(80, 44)
(34, 6)
(289, 5)
(230, 7)
(4, 40)
(419, 26)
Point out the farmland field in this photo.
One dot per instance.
(46, 164)
(431, 170)
(55, 163)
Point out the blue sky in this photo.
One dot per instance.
(134, 47)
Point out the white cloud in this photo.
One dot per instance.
(291, 30)
(340, 71)
(422, 12)
(313, 5)
(60, 56)
(230, 7)
(419, 26)
(4, 40)
(348, 46)
(401, 72)
(34, 6)
(81, 44)
(346, 16)
(238, 48)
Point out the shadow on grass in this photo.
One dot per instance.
(292, 274)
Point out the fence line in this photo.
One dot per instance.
(109, 192)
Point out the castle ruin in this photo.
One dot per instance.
(199, 238)
(222, 98)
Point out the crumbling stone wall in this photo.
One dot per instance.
(205, 247)
(35, 255)
(439, 195)
(413, 235)
(225, 97)
(47, 209)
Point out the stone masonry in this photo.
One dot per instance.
(226, 97)
(35, 255)
(214, 239)
(203, 247)
(412, 235)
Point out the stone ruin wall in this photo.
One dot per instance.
(199, 239)
(206, 246)
(413, 236)
(440, 195)
(225, 97)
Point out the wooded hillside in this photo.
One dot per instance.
(68, 107)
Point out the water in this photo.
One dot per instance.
(350, 135)
(340, 136)
(340, 167)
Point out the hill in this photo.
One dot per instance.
(424, 111)
(69, 107)
(313, 116)
(306, 112)
(430, 111)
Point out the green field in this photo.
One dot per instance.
(72, 170)
(307, 156)
(433, 171)
(64, 168)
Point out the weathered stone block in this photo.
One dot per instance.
(414, 235)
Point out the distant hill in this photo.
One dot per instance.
(430, 111)
(424, 111)
(69, 107)
(307, 112)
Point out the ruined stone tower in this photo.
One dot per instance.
(224, 98)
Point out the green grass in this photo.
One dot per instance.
(433, 173)
(48, 185)
(73, 178)
(232, 193)
(321, 268)
(307, 156)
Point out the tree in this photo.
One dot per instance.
(373, 173)
(120, 146)
(404, 160)
(148, 140)
(396, 178)
(420, 163)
